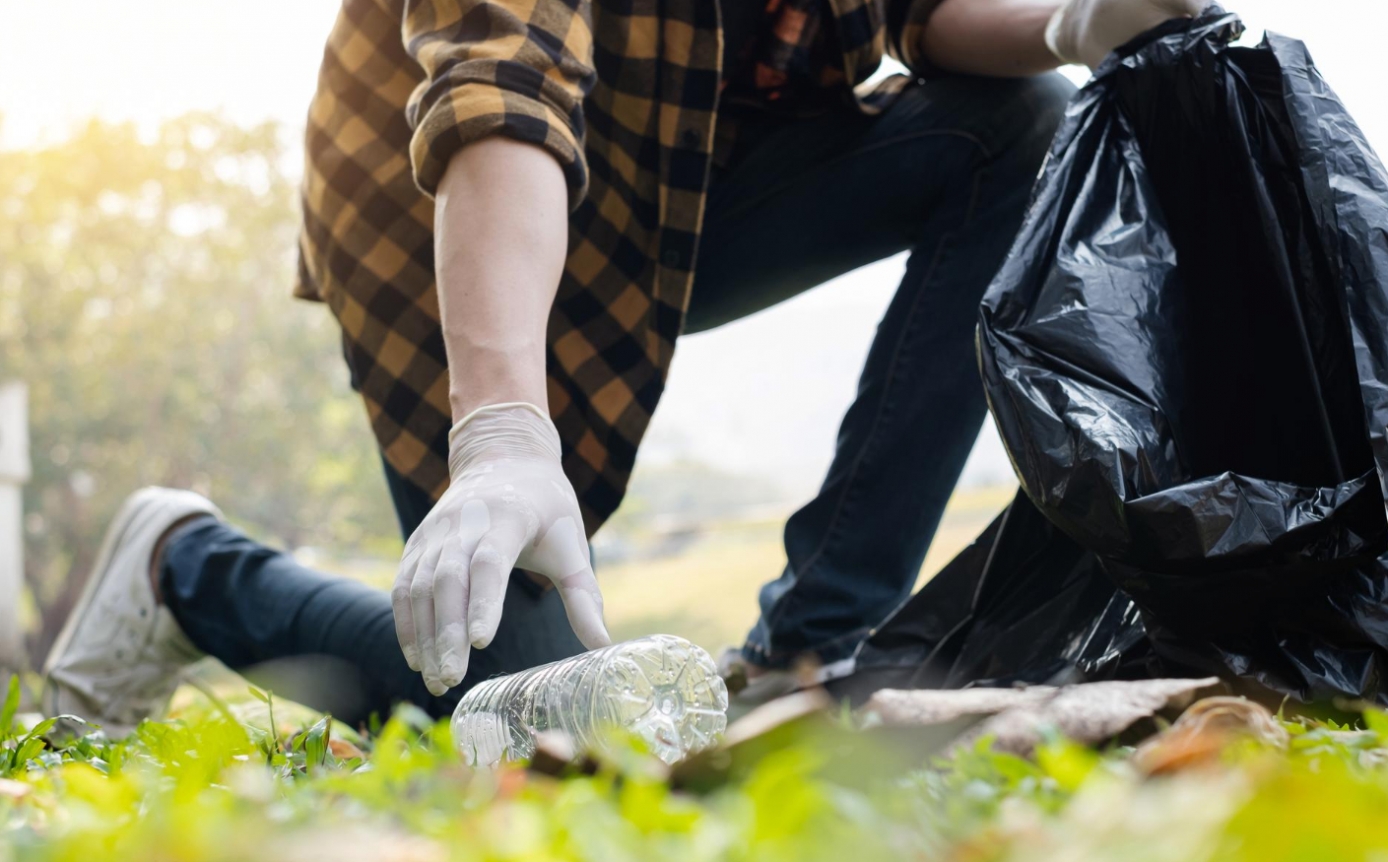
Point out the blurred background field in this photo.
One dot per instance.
(708, 591)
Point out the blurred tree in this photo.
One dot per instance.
(144, 297)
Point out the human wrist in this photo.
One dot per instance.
(495, 374)
(463, 403)
(506, 430)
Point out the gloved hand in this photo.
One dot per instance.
(509, 505)
(1087, 31)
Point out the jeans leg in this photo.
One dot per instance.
(949, 168)
(326, 641)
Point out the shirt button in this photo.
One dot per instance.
(673, 259)
(691, 139)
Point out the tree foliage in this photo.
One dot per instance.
(145, 300)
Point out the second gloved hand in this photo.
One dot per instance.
(1087, 31)
(509, 505)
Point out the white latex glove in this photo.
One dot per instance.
(509, 505)
(1087, 31)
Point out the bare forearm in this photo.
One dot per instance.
(500, 237)
(998, 38)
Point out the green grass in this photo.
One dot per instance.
(219, 783)
(239, 775)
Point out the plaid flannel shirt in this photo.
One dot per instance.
(624, 94)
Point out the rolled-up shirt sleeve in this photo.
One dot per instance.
(906, 23)
(519, 68)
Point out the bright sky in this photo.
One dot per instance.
(734, 399)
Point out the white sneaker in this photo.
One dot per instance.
(120, 654)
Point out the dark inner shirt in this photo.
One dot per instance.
(742, 24)
(781, 57)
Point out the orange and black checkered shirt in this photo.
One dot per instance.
(624, 94)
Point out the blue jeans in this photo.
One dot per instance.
(326, 641)
(945, 172)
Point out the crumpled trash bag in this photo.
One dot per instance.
(1186, 354)
(1023, 604)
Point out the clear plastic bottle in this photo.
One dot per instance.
(662, 688)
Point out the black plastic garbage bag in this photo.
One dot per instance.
(1023, 603)
(1186, 354)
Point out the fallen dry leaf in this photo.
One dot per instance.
(1200, 735)
(1178, 752)
(1236, 714)
(895, 707)
(775, 713)
(1019, 717)
(344, 750)
(510, 783)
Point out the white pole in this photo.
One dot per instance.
(14, 472)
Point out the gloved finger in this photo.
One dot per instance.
(583, 605)
(562, 555)
(422, 610)
(487, 575)
(404, 614)
(450, 610)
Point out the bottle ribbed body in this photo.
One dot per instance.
(662, 688)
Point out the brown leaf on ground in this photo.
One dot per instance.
(344, 750)
(1200, 736)
(1088, 712)
(510, 783)
(894, 707)
(776, 713)
(1236, 714)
